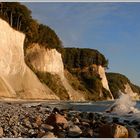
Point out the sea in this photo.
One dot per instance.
(124, 107)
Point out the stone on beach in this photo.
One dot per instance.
(113, 131)
(74, 131)
(55, 119)
(49, 135)
(38, 120)
(47, 127)
(1, 132)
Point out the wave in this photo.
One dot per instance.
(124, 106)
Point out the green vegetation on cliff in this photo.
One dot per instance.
(54, 83)
(88, 82)
(79, 58)
(117, 82)
(79, 62)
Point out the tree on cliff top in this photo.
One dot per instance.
(79, 58)
(19, 17)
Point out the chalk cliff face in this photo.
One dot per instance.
(50, 60)
(130, 92)
(45, 60)
(16, 79)
(101, 71)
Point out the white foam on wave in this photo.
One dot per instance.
(124, 105)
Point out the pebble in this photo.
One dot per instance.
(49, 135)
(1, 132)
(41, 121)
(47, 127)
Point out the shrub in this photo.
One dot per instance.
(54, 83)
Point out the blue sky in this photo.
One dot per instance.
(111, 28)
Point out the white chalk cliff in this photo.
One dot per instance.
(101, 71)
(16, 79)
(45, 60)
(129, 91)
(50, 60)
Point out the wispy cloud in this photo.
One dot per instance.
(112, 28)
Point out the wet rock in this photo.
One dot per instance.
(115, 119)
(74, 131)
(56, 110)
(126, 121)
(55, 119)
(113, 131)
(91, 116)
(107, 119)
(84, 115)
(135, 122)
(132, 133)
(49, 135)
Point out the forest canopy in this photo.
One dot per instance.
(79, 58)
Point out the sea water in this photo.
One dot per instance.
(123, 107)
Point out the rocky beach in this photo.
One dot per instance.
(18, 120)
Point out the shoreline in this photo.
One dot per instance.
(42, 121)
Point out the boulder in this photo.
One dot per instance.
(113, 131)
(119, 131)
(55, 119)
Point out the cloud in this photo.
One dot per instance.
(72, 20)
